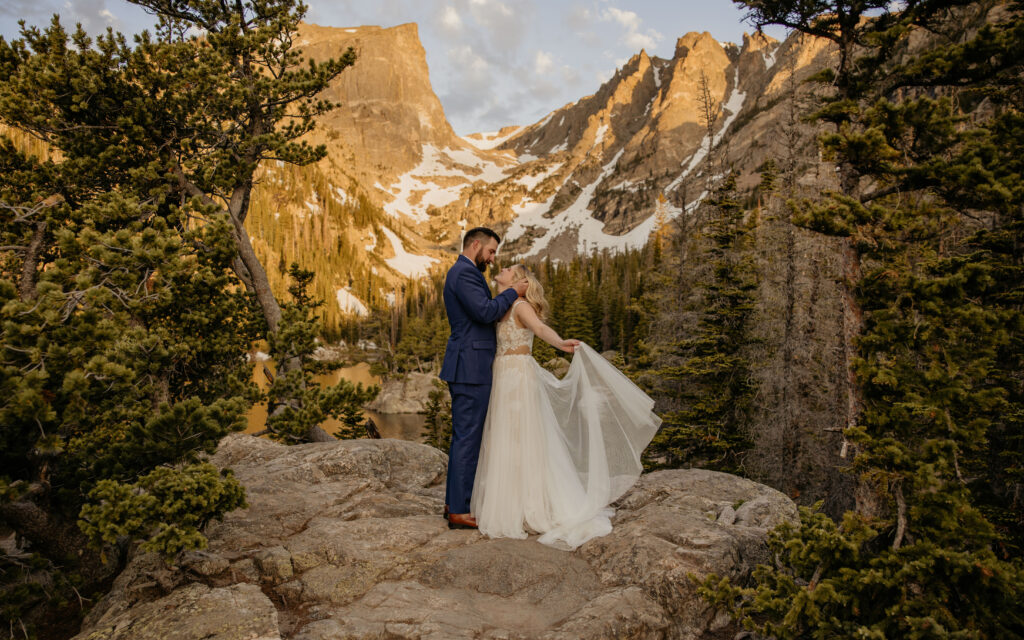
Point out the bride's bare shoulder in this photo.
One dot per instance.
(511, 313)
(523, 313)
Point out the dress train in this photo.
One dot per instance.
(556, 453)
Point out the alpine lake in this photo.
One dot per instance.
(404, 426)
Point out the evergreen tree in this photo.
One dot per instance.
(236, 97)
(939, 366)
(123, 334)
(132, 307)
(296, 402)
(188, 116)
(437, 425)
(710, 384)
(575, 316)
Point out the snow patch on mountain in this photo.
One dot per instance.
(528, 213)
(348, 303)
(576, 217)
(490, 140)
(489, 171)
(314, 205)
(415, 191)
(734, 105)
(531, 182)
(626, 185)
(341, 195)
(408, 264)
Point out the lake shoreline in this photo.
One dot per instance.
(401, 426)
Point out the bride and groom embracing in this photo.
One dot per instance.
(530, 451)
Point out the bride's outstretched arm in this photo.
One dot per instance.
(526, 315)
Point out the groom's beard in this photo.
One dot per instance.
(481, 266)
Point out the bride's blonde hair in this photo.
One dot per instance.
(534, 290)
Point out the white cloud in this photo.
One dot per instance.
(542, 63)
(469, 60)
(494, 7)
(450, 19)
(636, 37)
(579, 18)
(649, 40)
(628, 19)
(503, 30)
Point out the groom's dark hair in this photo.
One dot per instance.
(478, 233)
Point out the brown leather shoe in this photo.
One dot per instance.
(461, 521)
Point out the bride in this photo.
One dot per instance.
(555, 453)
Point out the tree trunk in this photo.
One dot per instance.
(257, 276)
(247, 266)
(57, 539)
(30, 267)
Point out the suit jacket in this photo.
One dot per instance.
(471, 315)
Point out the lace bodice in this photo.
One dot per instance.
(511, 338)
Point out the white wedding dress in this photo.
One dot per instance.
(555, 453)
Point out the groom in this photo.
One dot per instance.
(467, 363)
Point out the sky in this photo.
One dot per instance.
(492, 63)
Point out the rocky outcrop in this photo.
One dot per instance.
(345, 540)
(408, 394)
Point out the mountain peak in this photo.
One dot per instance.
(758, 41)
(695, 40)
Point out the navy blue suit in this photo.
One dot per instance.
(467, 370)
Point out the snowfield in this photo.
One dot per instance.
(348, 303)
(408, 264)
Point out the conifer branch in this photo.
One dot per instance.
(816, 576)
(191, 189)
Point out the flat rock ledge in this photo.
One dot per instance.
(346, 540)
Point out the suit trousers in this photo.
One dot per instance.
(469, 411)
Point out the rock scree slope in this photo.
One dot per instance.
(345, 540)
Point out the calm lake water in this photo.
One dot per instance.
(404, 426)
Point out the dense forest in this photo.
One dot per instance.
(854, 340)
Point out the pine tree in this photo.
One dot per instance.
(437, 424)
(123, 334)
(128, 308)
(938, 366)
(575, 317)
(710, 384)
(196, 115)
(296, 402)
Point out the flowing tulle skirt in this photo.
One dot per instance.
(556, 453)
